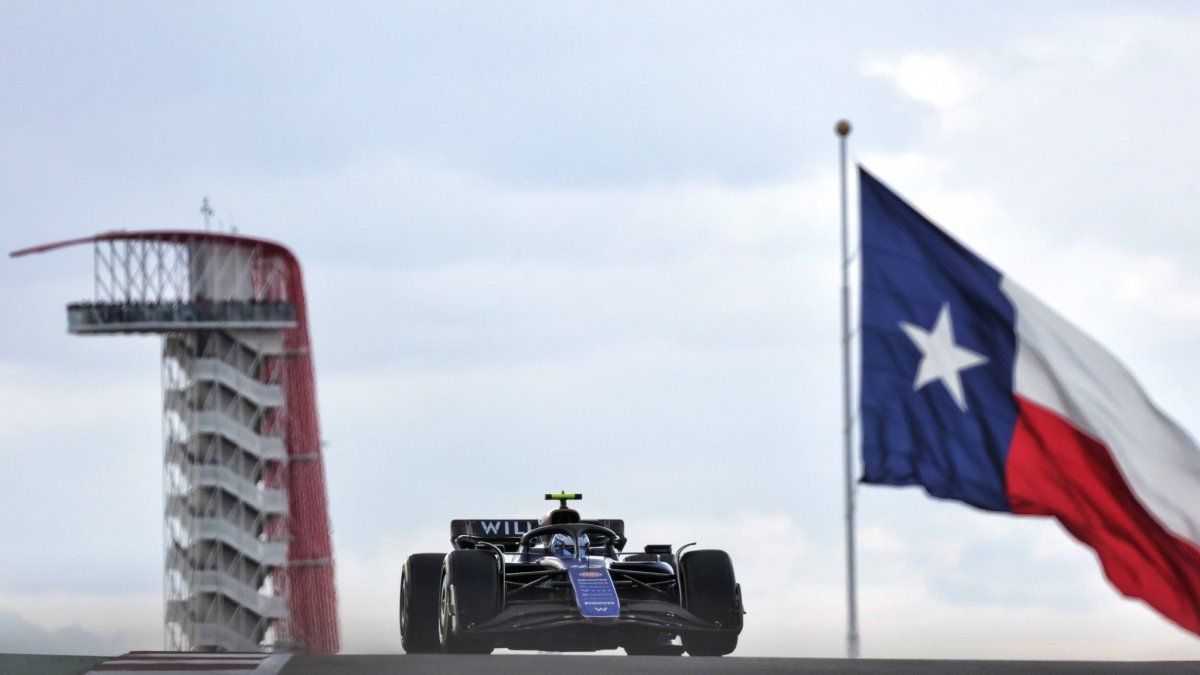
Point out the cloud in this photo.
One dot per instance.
(38, 396)
(937, 79)
(1069, 179)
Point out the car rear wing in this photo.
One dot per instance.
(506, 533)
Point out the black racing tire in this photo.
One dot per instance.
(472, 580)
(419, 586)
(711, 592)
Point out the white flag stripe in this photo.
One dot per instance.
(1062, 369)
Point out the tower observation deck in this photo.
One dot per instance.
(248, 558)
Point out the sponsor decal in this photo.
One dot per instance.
(595, 593)
(495, 528)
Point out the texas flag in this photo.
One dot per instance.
(976, 391)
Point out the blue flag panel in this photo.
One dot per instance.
(938, 345)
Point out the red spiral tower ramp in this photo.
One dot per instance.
(252, 556)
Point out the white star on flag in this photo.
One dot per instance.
(941, 358)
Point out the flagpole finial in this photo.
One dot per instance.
(842, 128)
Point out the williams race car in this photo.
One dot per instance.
(565, 584)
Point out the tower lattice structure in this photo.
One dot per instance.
(248, 558)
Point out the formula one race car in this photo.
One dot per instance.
(565, 584)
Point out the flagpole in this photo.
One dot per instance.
(843, 130)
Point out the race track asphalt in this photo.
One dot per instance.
(532, 664)
(660, 665)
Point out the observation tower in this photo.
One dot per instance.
(248, 558)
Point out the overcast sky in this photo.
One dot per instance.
(589, 247)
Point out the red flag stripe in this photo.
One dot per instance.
(1057, 470)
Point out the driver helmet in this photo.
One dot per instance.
(562, 545)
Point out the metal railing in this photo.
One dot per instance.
(83, 317)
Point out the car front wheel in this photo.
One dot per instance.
(419, 603)
(711, 592)
(467, 598)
